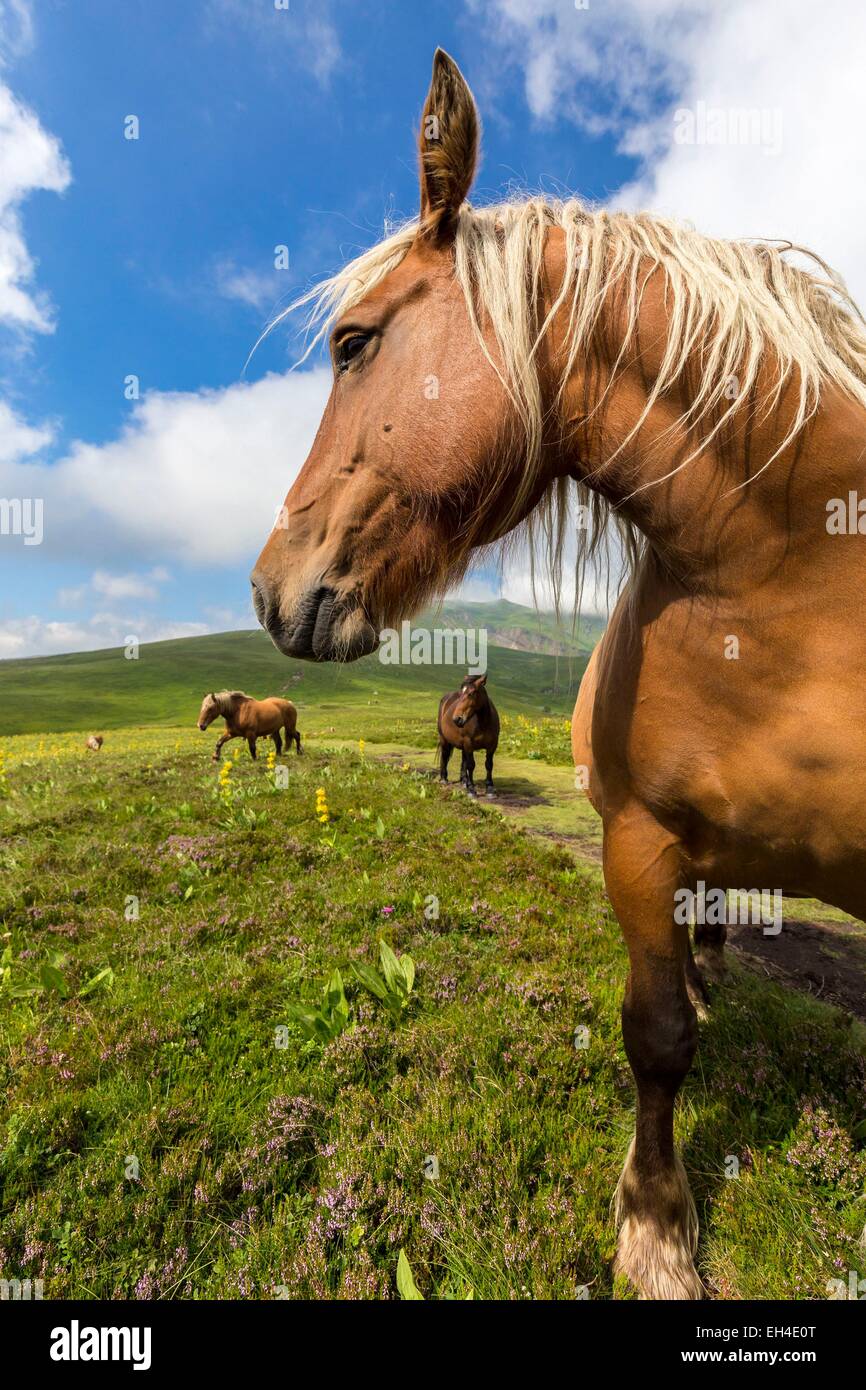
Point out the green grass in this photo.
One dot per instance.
(156, 1141)
(165, 685)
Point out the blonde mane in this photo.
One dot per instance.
(733, 306)
(224, 699)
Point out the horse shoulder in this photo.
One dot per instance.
(244, 713)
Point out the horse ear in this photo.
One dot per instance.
(213, 697)
(482, 680)
(447, 146)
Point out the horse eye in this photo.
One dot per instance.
(350, 348)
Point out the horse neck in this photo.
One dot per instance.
(731, 499)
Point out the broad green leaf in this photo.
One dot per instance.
(52, 978)
(407, 965)
(335, 994)
(406, 1286)
(104, 976)
(371, 980)
(390, 966)
(306, 1019)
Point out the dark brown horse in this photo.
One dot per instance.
(709, 398)
(468, 721)
(250, 719)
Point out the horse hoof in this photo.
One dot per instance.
(710, 960)
(655, 1249)
(697, 991)
(699, 1004)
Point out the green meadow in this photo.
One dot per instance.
(264, 1029)
(95, 691)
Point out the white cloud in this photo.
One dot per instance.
(30, 159)
(307, 33)
(516, 585)
(196, 477)
(226, 618)
(594, 66)
(120, 586)
(116, 586)
(810, 191)
(37, 636)
(16, 29)
(631, 70)
(257, 288)
(18, 440)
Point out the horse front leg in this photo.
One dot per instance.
(445, 751)
(710, 948)
(469, 765)
(654, 1206)
(223, 738)
(488, 773)
(696, 985)
(252, 747)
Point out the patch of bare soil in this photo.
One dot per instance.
(824, 959)
(577, 844)
(515, 801)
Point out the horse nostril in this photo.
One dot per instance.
(260, 602)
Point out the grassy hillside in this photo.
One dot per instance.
(519, 628)
(102, 690)
(169, 1131)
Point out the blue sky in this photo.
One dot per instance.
(261, 126)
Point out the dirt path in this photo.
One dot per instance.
(819, 950)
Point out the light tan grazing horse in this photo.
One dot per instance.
(250, 719)
(94, 742)
(708, 395)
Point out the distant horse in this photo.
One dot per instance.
(94, 742)
(707, 397)
(468, 721)
(250, 719)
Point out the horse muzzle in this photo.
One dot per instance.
(314, 632)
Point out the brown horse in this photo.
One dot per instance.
(707, 396)
(468, 720)
(250, 719)
(94, 742)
